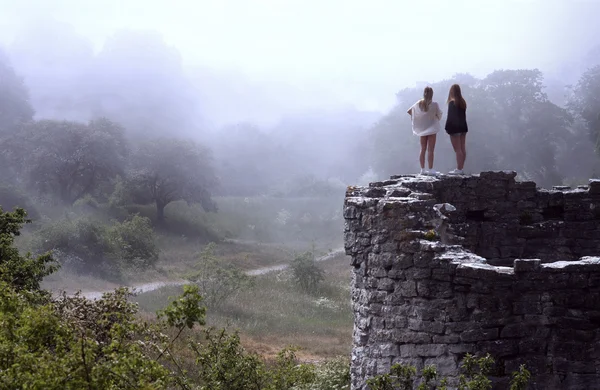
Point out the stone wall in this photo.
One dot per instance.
(424, 292)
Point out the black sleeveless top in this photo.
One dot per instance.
(456, 121)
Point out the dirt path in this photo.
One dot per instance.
(151, 286)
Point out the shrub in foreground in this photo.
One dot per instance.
(474, 376)
(217, 281)
(89, 244)
(307, 274)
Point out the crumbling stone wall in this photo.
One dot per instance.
(422, 300)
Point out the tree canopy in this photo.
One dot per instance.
(68, 159)
(166, 170)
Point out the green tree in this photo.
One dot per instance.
(585, 102)
(68, 159)
(532, 127)
(133, 242)
(217, 281)
(306, 272)
(167, 170)
(223, 364)
(22, 273)
(15, 106)
(87, 244)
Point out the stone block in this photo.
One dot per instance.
(446, 339)
(527, 265)
(527, 307)
(399, 192)
(499, 348)
(473, 335)
(426, 326)
(594, 186)
(386, 284)
(418, 338)
(408, 288)
(388, 350)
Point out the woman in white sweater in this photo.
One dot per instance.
(426, 116)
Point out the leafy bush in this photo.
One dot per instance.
(21, 272)
(287, 373)
(217, 281)
(181, 219)
(306, 272)
(74, 343)
(86, 243)
(133, 242)
(81, 241)
(474, 376)
(223, 364)
(332, 374)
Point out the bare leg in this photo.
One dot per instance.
(463, 141)
(430, 149)
(455, 140)
(423, 150)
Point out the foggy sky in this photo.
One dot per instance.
(349, 51)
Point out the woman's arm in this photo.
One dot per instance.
(438, 113)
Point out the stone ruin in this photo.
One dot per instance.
(445, 266)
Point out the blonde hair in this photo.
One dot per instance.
(455, 95)
(427, 99)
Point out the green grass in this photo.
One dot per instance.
(275, 312)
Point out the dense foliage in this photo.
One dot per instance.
(71, 342)
(216, 281)
(306, 272)
(86, 243)
(167, 170)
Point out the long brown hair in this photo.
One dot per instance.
(455, 95)
(427, 99)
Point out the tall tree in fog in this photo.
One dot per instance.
(248, 160)
(585, 102)
(55, 62)
(139, 82)
(167, 170)
(67, 159)
(532, 126)
(15, 107)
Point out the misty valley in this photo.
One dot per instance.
(154, 236)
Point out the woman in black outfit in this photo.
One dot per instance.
(456, 127)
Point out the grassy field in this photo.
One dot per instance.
(275, 313)
(178, 257)
(251, 233)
